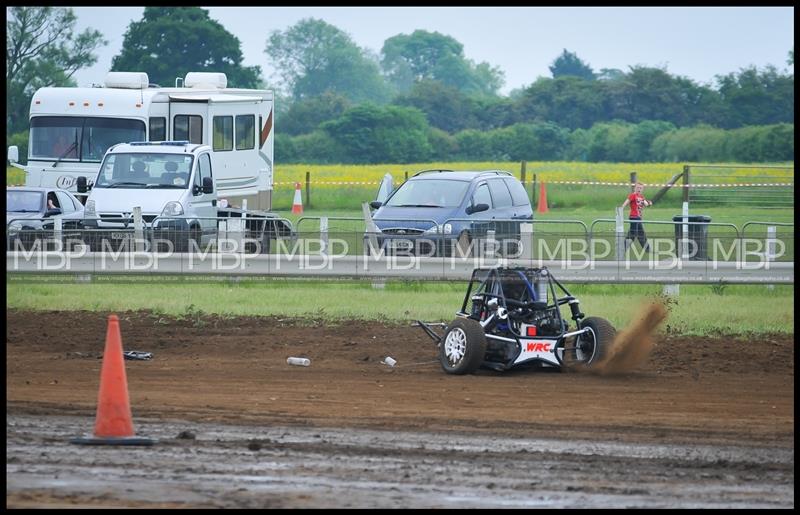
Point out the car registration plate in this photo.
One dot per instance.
(401, 244)
(121, 235)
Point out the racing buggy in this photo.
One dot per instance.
(511, 317)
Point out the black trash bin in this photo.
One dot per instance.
(697, 233)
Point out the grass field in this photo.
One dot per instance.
(340, 187)
(330, 189)
(699, 309)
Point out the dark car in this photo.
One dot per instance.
(436, 210)
(30, 212)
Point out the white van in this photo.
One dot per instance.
(71, 129)
(176, 186)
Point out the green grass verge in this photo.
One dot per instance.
(698, 309)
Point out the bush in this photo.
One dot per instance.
(373, 134)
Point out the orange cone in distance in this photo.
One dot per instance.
(297, 204)
(113, 423)
(542, 206)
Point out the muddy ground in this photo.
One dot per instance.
(704, 422)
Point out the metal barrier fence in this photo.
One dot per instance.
(160, 234)
(603, 240)
(703, 240)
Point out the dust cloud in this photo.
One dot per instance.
(632, 345)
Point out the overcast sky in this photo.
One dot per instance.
(697, 42)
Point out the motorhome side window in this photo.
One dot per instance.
(223, 133)
(188, 128)
(158, 129)
(245, 132)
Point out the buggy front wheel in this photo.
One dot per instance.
(463, 347)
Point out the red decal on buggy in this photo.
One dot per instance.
(538, 347)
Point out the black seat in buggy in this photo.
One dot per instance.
(515, 286)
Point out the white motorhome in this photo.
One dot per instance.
(71, 129)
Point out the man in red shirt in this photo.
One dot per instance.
(637, 202)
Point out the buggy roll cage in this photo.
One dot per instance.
(497, 284)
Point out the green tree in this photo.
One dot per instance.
(305, 116)
(446, 107)
(754, 97)
(169, 42)
(312, 57)
(42, 49)
(432, 56)
(373, 134)
(641, 138)
(535, 142)
(647, 93)
(567, 101)
(569, 64)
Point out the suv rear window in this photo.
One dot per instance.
(518, 193)
(500, 194)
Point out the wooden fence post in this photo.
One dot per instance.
(522, 172)
(686, 183)
(533, 191)
(308, 189)
(633, 180)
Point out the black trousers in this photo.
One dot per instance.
(636, 232)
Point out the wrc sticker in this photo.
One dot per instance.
(537, 347)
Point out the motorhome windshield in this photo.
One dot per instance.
(75, 138)
(144, 170)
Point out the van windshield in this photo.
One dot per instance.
(145, 170)
(429, 193)
(80, 138)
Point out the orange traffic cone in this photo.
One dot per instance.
(113, 423)
(542, 206)
(297, 205)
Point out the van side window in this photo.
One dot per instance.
(188, 128)
(203, 169)
(482, 196)
(158, 129)
(500, 193)
(65, 202)
(518, 193)
(223, 133)
(245, 132)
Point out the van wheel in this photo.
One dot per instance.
(195, 236)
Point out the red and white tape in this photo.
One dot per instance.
(725, 185)
(588, 183)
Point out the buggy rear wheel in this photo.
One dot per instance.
(591, 347)
(463, 347)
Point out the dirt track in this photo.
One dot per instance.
(229, 376)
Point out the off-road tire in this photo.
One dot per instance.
(463, 347)
(602, 336)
